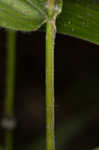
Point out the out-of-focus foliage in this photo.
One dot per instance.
(96, 148)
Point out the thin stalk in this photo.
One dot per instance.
(50, 39)
(10, 83)
(51, 6)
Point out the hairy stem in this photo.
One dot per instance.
(50, 39)
(9, 99)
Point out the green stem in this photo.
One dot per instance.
(9, 99)
(51, 7)
(50, 38)
(8, 140)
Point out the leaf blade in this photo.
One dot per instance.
(80, 19)
(21, 15)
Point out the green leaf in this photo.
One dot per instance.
(24, 15)
(80, 18)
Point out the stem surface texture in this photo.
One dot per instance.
(50, 39)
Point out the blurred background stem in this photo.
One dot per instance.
(10, 84)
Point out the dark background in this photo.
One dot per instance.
(76, 89)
